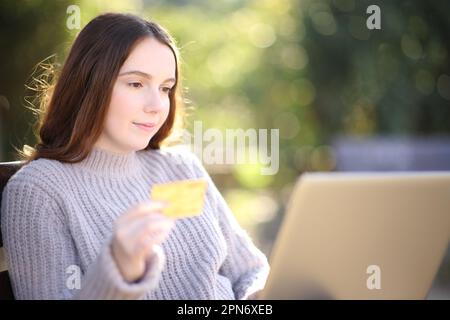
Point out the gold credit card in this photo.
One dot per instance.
(184, 198)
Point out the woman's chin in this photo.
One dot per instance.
(140, 145)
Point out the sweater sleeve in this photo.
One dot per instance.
(42, 258)
(246, 266)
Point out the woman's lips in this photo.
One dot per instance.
(145, 126)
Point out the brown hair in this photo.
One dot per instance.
(72, 112)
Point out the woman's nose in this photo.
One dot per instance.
(153, 101)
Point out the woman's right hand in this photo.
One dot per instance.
(136, 233)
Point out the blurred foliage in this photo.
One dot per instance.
(29, 32)
(308, 67)
(388, 81)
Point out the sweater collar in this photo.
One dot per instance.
(110, 164)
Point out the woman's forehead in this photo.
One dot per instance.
(151, 57)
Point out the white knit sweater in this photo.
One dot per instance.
(57, 219)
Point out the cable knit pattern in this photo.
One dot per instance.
(57, 216)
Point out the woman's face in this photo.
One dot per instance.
(140, 98)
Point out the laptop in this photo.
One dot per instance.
(361, 236)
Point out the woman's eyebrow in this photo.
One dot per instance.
(145, 75)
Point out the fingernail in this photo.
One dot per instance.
(163, 203)
(160, 204)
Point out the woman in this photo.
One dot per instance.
(80, 203)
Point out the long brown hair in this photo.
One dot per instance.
(72, 111)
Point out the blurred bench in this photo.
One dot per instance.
(7, 169)
(392, 153)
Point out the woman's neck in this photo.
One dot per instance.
(110, 164)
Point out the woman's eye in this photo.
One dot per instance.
(166, 89)
(135, 84)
